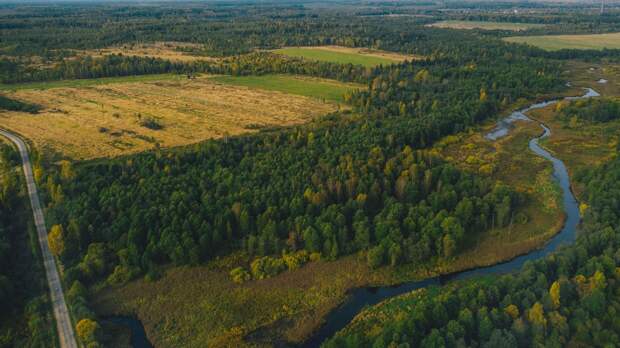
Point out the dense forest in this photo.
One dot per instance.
(25, 317)
(356, 181)
(569, 298)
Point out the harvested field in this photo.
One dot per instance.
(120, 118)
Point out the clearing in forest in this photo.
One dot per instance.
(111, 119)
(173, 51)
(454, 24)
(346, 55)
(582, 42)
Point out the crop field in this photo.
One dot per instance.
(100, 120)
(173, 51)
(305, 86)
(454, 24)
(345, 55)
(582, 42)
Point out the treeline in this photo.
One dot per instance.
(16, 105)
(590, 110)
(85, 68)
(25, 312)
(567, 299)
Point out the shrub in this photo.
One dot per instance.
(151, 123)
(265, 267)
(296, 260)
(240, 275)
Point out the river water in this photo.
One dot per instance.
(362, 297)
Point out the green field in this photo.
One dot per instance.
(453, 24)
(88, 82)
(581, 42)
(310, 87)
(340, 55)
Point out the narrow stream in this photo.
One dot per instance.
(362, 297)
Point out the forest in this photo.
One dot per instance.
(362, 180)
(569, 298)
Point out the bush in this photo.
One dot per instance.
(266, 267)
(296, 260)
(151, 123)
(240, 275)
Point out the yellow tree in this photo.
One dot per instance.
(554, 292)
(86, 329)
(55, 239)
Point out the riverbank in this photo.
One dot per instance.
(364, 322)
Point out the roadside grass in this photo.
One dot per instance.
(90, 82)
(558, 42)
(456, 24)
(345, 55)
(105, 117)
(324, 89)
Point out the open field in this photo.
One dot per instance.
(173, 51)
(305, 86)
(558, 42)
(192, 305)
(345, 55)
(100, 120)
(454, 24)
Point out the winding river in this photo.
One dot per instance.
(362, 297)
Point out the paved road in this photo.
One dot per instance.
(63, 321)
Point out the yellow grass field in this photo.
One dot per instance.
(172, 51)
(558, 42)
(106, 120)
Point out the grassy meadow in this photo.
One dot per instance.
(111, 117)
(582, 42)
(456, 24)
(345, 55)
(323, 89)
